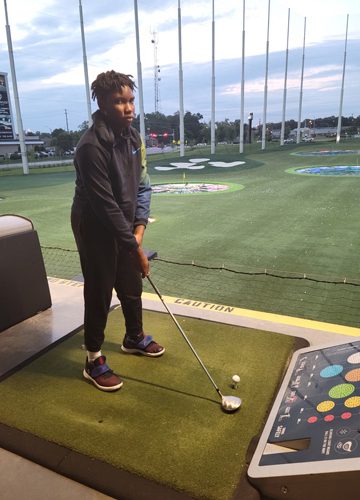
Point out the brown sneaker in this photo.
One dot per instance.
(100, 374)
(147, 346)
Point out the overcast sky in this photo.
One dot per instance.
(49, 59)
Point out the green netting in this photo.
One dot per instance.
(312, 297)
(61, 263)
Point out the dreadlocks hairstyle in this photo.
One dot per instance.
(110, 82)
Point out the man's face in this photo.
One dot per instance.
(119, 108)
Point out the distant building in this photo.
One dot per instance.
(307, 132)
(317, 132)
(276, 134)
(13, 145)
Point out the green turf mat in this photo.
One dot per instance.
(166, 422)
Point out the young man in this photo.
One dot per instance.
(109, 214)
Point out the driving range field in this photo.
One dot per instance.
(266, 231)
(265, 238)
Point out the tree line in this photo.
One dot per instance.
(165, 129)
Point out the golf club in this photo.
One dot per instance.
(228, 403)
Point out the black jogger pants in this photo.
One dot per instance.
(104, 267)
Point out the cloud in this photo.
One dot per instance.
(49, 58)
(322, 77)
(328, 89)
(275, 84)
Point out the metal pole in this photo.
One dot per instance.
(67, 124)
(16, 96)
(87, 86)
(141, 101)
(285, 81)
(342, 86)
(213, 83)
(313, 125)
(301, 87)
(250, 118)
(241, 150)
(181, 89)
(266, 83)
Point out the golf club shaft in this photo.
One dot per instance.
(183, 334)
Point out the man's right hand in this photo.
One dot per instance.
(140, 261)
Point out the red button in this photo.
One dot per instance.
(346, 415)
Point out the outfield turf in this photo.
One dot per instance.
(279, 221)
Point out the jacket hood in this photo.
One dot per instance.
(104, 131)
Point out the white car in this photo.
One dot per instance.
(288, 141)
(308, 139)
(41, 154)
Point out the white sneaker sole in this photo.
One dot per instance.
(144, 353)
(101, 387)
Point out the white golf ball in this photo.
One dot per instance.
(236, 379)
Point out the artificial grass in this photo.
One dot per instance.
(37, 169)
(280, 222)
(45, 199)
(166, 423)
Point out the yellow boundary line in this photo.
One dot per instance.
(235, 311)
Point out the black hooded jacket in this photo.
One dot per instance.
(112, 183)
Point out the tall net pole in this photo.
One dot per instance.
(342, 86)
(301, 86)
(213, 83)
(266, 82)
(86, 74)
(140, 87)
(285, 83)
(24, 158)
(181, 89)
(241, 145)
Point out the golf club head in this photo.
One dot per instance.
(230, 403)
